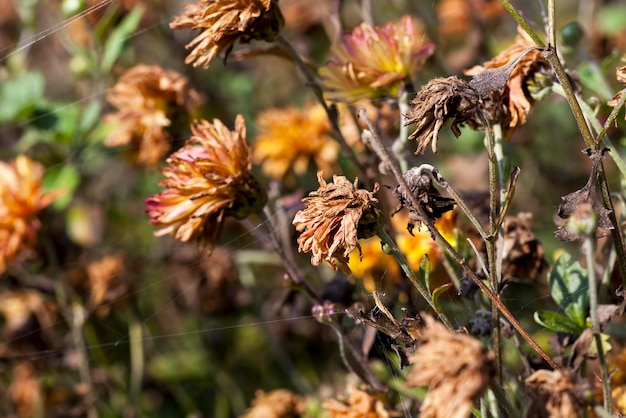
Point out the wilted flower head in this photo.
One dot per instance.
(555, 394)
(290, 138)
(147, 97)
(279, 403)
(437, 102)
(357, 404)
(207, 180)
(522, 253)
(21, 199)
(455, 367)
(620, 74)
(336, 216)
(515, 96)
(224, 22)
(371, 62)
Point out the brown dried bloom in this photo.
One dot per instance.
(279, 403)
(515, 95)
(224, 22)
(290, 138)
(358, 404)
(555, 394)
(336, 216)
(25, 391)
(523, 253)
(437, 102)
(21, 199)
(147, 99)
(455, 367)
(620, 74)
(106, 282)
(207, 180)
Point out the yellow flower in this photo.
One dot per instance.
(224, 22)
(21, 200)
(146, 98)
(291, 138)
(335, 217)
(371, 62)
(207, 180)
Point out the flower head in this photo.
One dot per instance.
(456, 368)
(555, 394)
(21, 199)
(370, 61)
(620, 74)
(336, 216)
(224, 22)
(147, 97)
(357, 404)
(291, 138)
(207, 180)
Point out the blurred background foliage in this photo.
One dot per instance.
(176, 332)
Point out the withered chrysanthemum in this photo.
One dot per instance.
(555, 394)
(279, 403)
(358, 404)
(147, 98)
(437, 102)
(336, 216)
(515, 96)
(207, 180)
(371, 62)
(620, 74)
(21, 199)
(455, 367)
(290, 138)
(224, 22)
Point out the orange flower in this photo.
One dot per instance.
(21, 200)
(290, 138)
(335, 217)
(371, 62)
(224, 22)
(206, 180)
(146, 98)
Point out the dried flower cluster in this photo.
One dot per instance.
(455, 367)
(147, 98)
(336, 216)
(290, 138)
(371, 62)
(21, 199)
(207, 180)
(224, 22)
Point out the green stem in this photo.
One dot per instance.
(588, 248)
(520, 21)
(137, 363)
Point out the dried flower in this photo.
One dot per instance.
(291, 138)
(620, 74)
(106, 282)
(25, 391)
(336, 216)
(21, 199)
(456, 368)
(523, 254)
(207, 180)
(358, 404)
(515, 96)
(147, 99)
(279, 403)
(437, 102)
(224, 22)
(555, 394)
(371, 62)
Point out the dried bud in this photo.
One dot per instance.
(583, 221)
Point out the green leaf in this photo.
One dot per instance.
(20, 96)
(437, 294)
(606, 344)
(556, 322)
(569, 287)
(612, 18)
(63, 177)
(424, 272)
(117, 40)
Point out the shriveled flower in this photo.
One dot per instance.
(555, 394)
(358, 404)
(371, 62)
(21, 199)
(224, 22)
(515, 96)
(437, 102)
(336, 216)
(207, 180)
(25, 390)
(620, 74)
(290, 138)
(456, 368)
(106, 282)
(279, 403)
(147, 98)
(523, 254)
